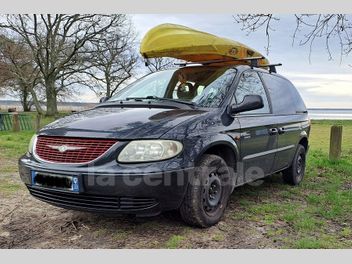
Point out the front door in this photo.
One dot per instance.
(259, 133)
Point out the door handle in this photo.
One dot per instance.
(273, 131)
(281, 130)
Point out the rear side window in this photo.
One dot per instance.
(250, 84)
(284, 96)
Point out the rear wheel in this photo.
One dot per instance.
(295, 174)
(207, 193)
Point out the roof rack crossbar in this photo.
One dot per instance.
(251, 59)
(254, 63)
(272, 67)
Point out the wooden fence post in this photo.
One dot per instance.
(335, 142)
(15, 122)
(37, 122)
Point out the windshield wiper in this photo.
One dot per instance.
(159, 98)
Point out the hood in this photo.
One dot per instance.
(120, 123)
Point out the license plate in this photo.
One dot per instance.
(61, 182)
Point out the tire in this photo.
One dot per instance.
(207, 192)
(295, 174)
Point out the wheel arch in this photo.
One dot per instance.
(304, 142)
(229, 152)
(225, 149)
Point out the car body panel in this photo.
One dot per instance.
(288, 139)
(258, 146)
(120, 122)
(200, 130)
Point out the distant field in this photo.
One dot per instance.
(62, 106)
(321, 135)
(317, 214)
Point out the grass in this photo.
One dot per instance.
(14, 145)
(321, 133)
(174, 241)
(316, 243)
(218, 237)
(7, 187)
(317, 214)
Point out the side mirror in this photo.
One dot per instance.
(250, 102)
(104, 99)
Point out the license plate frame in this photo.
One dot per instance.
(60, 182)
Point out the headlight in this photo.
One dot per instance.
(31, 144)
(149, 150)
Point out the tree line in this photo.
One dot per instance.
(46, 58)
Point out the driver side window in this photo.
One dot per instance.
(251, 84)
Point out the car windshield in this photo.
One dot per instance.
(202, 86)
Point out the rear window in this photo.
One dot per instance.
(285, 98)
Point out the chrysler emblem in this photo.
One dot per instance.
(64, 148)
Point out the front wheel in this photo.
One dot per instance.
(207, 193)
(294, 174)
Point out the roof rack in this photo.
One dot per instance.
(254, 63)
(272, 67)
(251, 59)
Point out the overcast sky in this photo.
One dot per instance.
(322, 83)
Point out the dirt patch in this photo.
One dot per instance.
(29, 223)
(26, 222)
(347, 186)
(253, 219)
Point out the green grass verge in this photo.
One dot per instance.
(318, 213)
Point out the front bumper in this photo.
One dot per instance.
(112, 190)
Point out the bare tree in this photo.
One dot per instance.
(113, 59)
(56, 43)
(251, 23)
(18, 75)
(157, 64)
(327, 28)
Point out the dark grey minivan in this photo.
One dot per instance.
(180, 139)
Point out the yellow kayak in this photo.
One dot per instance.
(180, 42)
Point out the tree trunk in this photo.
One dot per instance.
(24, 97)
(26, 107)
(36, 102)
(25, 100)
(51, 99)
